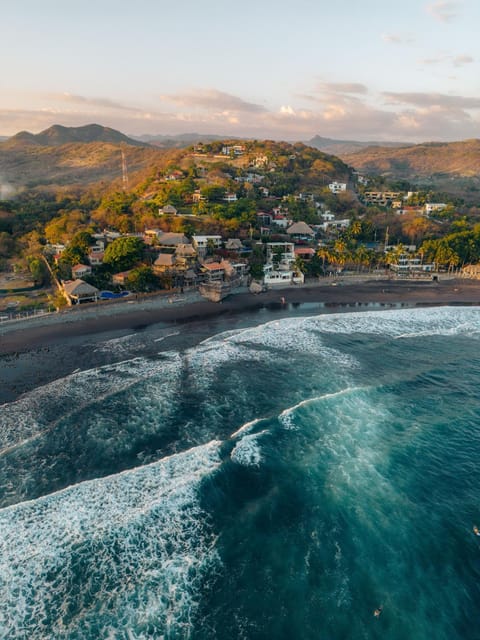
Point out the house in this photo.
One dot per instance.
(121, 278)
(280, 221)
(81, 270)
(202, 243)
(432, 207)
(327, 216)
(305, 253)
(236, 150)
(163, 239)
(174, 175)
(197, 196)
(167, 210)
(337, 187)
(280, 254)
(301, 230)
(95, 259)
(234, 244)
(230, 197)
(381, 198)
(271, 277)
(471, 271)
(264, 219)
(164, 262)
(186, 251)
(54, 249)
(79, 291)
(406, 265)
(214, 271)
(335, 224)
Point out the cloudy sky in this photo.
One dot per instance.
(348, 69)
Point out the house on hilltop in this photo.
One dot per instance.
(167, 210)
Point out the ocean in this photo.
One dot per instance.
(277, 476)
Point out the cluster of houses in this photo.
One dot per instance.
(397, 200)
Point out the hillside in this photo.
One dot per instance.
(432, 160)
(344, 147)
(62, 156)
(179, 141)
(57, 157)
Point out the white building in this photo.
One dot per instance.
(201, 243)
(337, 187)
(431, 207)
(406, 265)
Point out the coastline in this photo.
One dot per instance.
(23, 335)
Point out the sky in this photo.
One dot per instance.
(345, 69)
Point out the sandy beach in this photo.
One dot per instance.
(22, 335)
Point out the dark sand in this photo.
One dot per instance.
(56, 328)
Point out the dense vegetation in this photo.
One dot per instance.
(198, 182)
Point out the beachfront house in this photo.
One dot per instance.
(79, 291)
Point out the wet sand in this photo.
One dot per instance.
(22, 335)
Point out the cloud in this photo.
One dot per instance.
(443, 11)
(392, 38)
(93, 102)
(456, 61)
(459, 61)
(343, 87)
(212, 99)
(420, 99)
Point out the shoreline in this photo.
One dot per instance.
(22, 335)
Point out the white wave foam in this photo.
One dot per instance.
(403, 322)
(121, 345)
(286, 417)
(124, 554)
(247, 451)
(38, 411)
(248, 426)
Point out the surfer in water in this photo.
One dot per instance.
(377, 612)
(476, 530)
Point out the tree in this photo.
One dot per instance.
(123, 253)
(37, 269)
(142, 279)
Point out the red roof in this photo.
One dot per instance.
(304, 251)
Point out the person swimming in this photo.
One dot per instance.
(377, 612)
(476, 530)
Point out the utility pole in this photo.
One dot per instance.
(124, 172)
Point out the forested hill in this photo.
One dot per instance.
(62, 156)
(427, 160)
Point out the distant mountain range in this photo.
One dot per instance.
(83, 155)
(58, 135)
(342, 147)
(180, 140)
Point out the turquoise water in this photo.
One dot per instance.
(277, 481)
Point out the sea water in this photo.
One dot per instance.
(275, 481)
